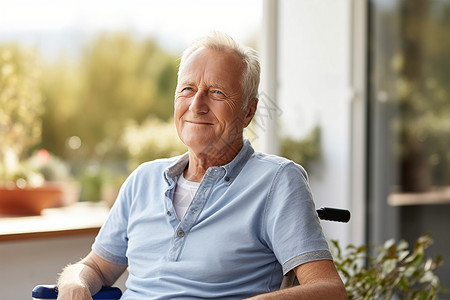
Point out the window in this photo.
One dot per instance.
(409, 121)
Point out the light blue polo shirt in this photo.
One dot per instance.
(250, 222)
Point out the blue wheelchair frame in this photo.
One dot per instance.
(51, 292)
(114, 293)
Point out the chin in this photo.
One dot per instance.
(198, 144)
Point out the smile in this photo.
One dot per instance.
(199, 123)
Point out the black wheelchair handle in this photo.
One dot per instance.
(333, 214)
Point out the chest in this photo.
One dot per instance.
(221, 231)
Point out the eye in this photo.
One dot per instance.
(218, 92)
(186, 89)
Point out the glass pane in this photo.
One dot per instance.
(409, 113)
(411, 80)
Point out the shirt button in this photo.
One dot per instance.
(180, 233)
(227, 179)
(169, 213)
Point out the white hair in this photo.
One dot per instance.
(220, 41)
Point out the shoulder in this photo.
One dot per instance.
(276, 164)
(155, 166)
(160, 162)
(149, 172)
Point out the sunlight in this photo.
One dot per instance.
(174, 23)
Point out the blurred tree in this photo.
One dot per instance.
(20, 108)
(118, 78)
(61, 92)
(151, 140)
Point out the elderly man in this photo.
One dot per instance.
(221, 221)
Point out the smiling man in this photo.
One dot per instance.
(210, 115)
(221, 221)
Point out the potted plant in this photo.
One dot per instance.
(23, 188)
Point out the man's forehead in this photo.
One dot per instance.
(213, 56)
(213, 67)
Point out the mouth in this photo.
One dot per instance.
(199, 123)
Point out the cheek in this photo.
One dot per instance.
(180, 107)
(178, 112)
(232, 118)
(222, 111)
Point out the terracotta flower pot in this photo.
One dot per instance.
(28, 201)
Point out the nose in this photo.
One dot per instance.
(199, 104)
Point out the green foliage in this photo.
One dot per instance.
(303, 151)
(117, 78)
(92, 181)
(20, 108)
(413, 80)
(20, 100)
(151, 140)
(394, 270)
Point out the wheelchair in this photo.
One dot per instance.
(114, 293)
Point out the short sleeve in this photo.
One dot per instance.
(111, 242)
(292, 227)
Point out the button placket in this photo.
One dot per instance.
(190, 219)
(170, 212)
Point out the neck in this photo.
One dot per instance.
(199, 162)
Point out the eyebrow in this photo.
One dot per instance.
(218, 86)
(192, 83)
(186, 83)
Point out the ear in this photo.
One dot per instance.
(250, 111)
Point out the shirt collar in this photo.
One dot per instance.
(235, 166)
(177, 167)
(232, 169)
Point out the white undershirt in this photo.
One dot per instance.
(184, 193)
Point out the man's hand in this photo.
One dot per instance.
(86, 278)
(69, 292)
(74, 282)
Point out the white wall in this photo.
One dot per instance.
(24, 264)
(314, 87)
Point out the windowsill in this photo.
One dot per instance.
(435, 196)
(77, 219)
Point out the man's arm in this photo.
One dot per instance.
(318, 280)
(85, 278)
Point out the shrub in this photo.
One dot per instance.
(393, 271)
(152, 140)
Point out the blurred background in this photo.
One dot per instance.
(94, 82)
(356, 91)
